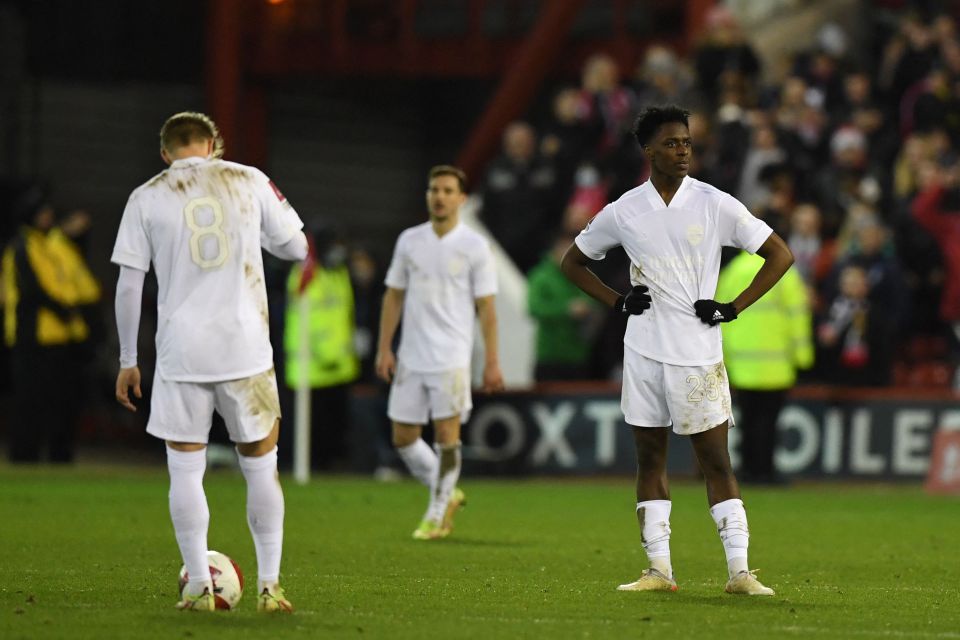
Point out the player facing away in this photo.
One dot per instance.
(441, 277)
(672, 228)
(202, 223)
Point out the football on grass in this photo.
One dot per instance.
(227, 580)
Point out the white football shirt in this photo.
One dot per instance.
(675, 251)
(442, 278)
(202, 223)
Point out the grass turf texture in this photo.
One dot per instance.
(90, 553)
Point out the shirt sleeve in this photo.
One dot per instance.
(483, 273)
(132, 248)
(397, 276)
(739, 228)
(600, 235)
(279, 222)
(127, 308)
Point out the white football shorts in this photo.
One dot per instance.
(416, 397)
(183, 411)
(656, 394)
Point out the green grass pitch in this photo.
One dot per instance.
(90, 553)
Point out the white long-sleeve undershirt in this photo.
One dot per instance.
(127, 309)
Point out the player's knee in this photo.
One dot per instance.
(262, 447)
(404, 436)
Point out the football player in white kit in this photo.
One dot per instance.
(202, 223)
(672, 227)
(441, 278)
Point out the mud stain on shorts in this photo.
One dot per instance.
(259, 395)
(455, 382)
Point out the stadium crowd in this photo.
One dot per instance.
(852, 160)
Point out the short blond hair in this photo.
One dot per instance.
(449, 170)
(187, 127)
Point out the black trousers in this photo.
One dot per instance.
(329, 428)
(46, 386)
(758, 419)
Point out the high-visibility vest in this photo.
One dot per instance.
(333, 358)
(85, 285)
(771, 339)
(63, 277)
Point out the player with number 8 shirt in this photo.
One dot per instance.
(202, 223)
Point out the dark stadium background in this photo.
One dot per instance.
(346, 104)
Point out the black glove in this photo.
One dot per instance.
(713, 312)
(635, 302)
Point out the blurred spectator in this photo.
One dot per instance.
(589, 196)
(763, 350)
(813, 255)
(366, 278)
(567, 319)
(778, 181)
(605, 105)
(916, 155)
(517, 194)
(854, 337)
(703, 159)
(46, 282)
(909, 55)
(608, 109)
(724, 58)
(331, 366)
(857, 93)
(937, 209)
(566, 140)
(870, 249)
(848, 179)
(71, 238)
(661, 78)
(762, 152)
(821, 70)
(367, 283)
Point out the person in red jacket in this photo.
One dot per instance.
(933, 210)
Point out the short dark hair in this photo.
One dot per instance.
(449, 170)
(652, 118)
(186, 127)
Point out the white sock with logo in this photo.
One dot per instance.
(654, 519)
(190, 515)
(731, 519)
(265, 509)
(421, 460)
(445, 480)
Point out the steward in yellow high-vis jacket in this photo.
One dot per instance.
(46, 286)
(763, 350)
(332, 364)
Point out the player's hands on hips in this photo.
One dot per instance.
(385, 365)
(713, 313)
(126, 379)
(635, 302)
(492, 378)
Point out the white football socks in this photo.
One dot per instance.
(444, 480)
(190, 515)
(265, 509)
(731, 519)
(421, 460)
(654, 519)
